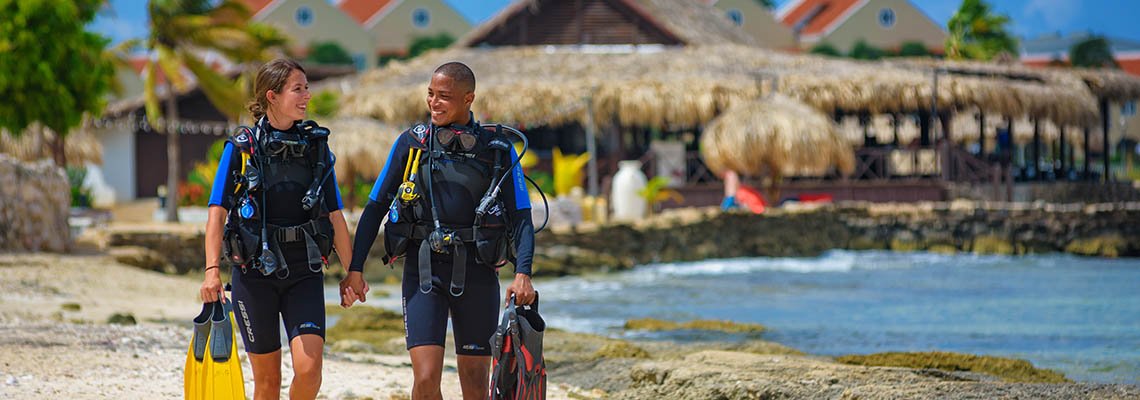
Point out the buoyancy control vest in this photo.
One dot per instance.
(448, 200)
(279, 197)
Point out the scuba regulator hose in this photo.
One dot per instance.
(495, 192)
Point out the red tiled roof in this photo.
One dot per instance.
(827, 13)
(362, 10)
(1130, 65)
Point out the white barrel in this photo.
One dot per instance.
(628, 181)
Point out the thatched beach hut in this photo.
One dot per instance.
(775, 136)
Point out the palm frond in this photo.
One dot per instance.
(150, 94)
(222, 92)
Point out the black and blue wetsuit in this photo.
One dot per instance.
(473, 313)
(260, 299)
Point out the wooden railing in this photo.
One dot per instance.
(870, 164)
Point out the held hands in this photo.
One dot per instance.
(521, 289)
(353, 288)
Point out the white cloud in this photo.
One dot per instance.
(1057, 14)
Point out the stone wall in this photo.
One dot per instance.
(1051, 192)
(35, 200)
(1111, 230)
(1108, 230)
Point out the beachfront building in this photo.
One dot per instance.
(1053, 50)
(885, 24)
(307, 22)
(392, 25)
(757, 21)
(606, 22)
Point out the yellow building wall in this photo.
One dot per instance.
(1128, 125)
(760, 23)
(911, 25)
(329, 24)
(395, 30)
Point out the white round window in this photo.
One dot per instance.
(887, 17)
(421, 17)
(304, 16)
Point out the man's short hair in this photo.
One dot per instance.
(460, 73)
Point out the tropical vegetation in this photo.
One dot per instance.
(978, 33)
(39, 81)
(181, 32)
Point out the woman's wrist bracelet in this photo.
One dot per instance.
(210, 267)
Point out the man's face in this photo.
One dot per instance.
(448, 101)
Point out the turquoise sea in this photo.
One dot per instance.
(1080, 316)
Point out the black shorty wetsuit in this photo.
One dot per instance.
(260, 300)
(473, 314)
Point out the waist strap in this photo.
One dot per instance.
(297, 233)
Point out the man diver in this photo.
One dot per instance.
(446, 214)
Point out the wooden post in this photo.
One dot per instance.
(591, 148)
(1036, 162)
(1087, 173)
(947, 156)
(1107, 147)
(981, 133)
(1061, 154)
(895, 127)
(924, 128)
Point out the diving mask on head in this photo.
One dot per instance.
(285, 144)
(293, 142)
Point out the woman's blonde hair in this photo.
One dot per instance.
(271, 76)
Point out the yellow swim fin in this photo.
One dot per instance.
(223, 376)
(196, 354)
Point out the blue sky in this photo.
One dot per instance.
(1114, 18)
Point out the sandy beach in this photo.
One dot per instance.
(49, 349)
(57, 343)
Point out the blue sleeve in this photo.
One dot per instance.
(516, 193)
(333, 200)
(368, 225)
(392, 175)
(518, 202)
(222, 191)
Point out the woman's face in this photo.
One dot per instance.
(292, 102)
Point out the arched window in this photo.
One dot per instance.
(304, 16)
(887, 17)
(736, 16)
(421, 17)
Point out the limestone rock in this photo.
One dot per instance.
(35, 202)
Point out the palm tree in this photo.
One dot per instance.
(180, 30)
(977, 33)
(267, 43)
(1093, 52)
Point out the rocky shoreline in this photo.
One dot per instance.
(1104, 230)
(1099, 230)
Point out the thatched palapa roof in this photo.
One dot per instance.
(80, 146)
(361, 146)
(775, 135)
(687, 87)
